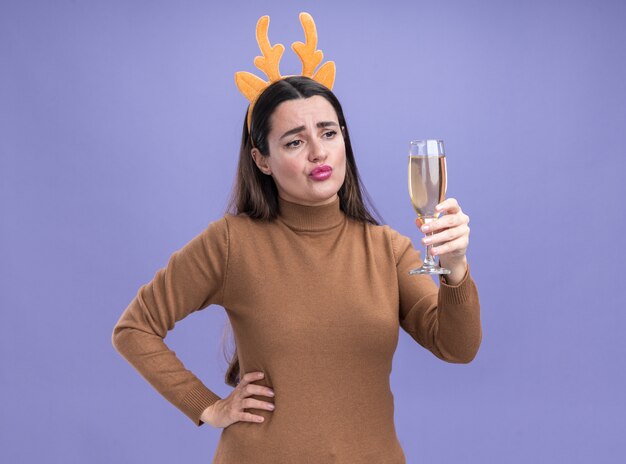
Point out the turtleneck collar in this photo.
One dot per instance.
(310, 218)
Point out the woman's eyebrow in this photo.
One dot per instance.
(320, 124)
(327, 124)
(291, 132)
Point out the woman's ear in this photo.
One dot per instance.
(261, 161)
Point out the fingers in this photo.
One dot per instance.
(251, 403)
(459, 244)
(445, 222)
(447, 235)
(448, 206)
(246, 389)
(251, 377)
(248, 417)
(227, 411)
(252, 389)
(454, 217)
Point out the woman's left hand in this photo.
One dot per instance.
(450, 239)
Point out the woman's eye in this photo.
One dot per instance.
(294, 144)
(330, 134)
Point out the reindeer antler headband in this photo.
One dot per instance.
(252, 86)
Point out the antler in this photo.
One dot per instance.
(268, 63)
(307, 52)
(311, 57)
(250, 85)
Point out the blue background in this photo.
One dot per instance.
(119, 132)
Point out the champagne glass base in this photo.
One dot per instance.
(430, 270)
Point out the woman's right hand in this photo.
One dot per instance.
(229, 410)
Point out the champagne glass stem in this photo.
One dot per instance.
(428, 259)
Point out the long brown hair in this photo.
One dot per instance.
(255, 193)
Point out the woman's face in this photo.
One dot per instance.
(307, 153)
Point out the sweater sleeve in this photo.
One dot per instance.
(193, 279)
(444, 320)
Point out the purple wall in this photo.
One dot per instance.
(119, 128)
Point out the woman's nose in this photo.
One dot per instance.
(317, 151)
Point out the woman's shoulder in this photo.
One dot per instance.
(223, 230)
(243, 220)
(245, 224)
(384, 232)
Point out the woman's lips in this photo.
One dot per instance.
(322, 172)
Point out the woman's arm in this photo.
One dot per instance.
(445, 320)
(193, 279)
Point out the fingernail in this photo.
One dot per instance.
(260, 374)
(271, 393)
(271, 406)
(426, 240)
(438, 207)
(425, 228)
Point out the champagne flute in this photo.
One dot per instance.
(427, 188)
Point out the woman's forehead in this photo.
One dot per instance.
(303, 111)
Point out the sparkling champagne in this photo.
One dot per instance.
(427, 184)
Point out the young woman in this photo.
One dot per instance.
(315, 292)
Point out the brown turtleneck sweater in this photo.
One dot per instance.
(315, 301)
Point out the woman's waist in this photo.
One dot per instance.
(306, 430)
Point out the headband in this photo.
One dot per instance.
(252, 86)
